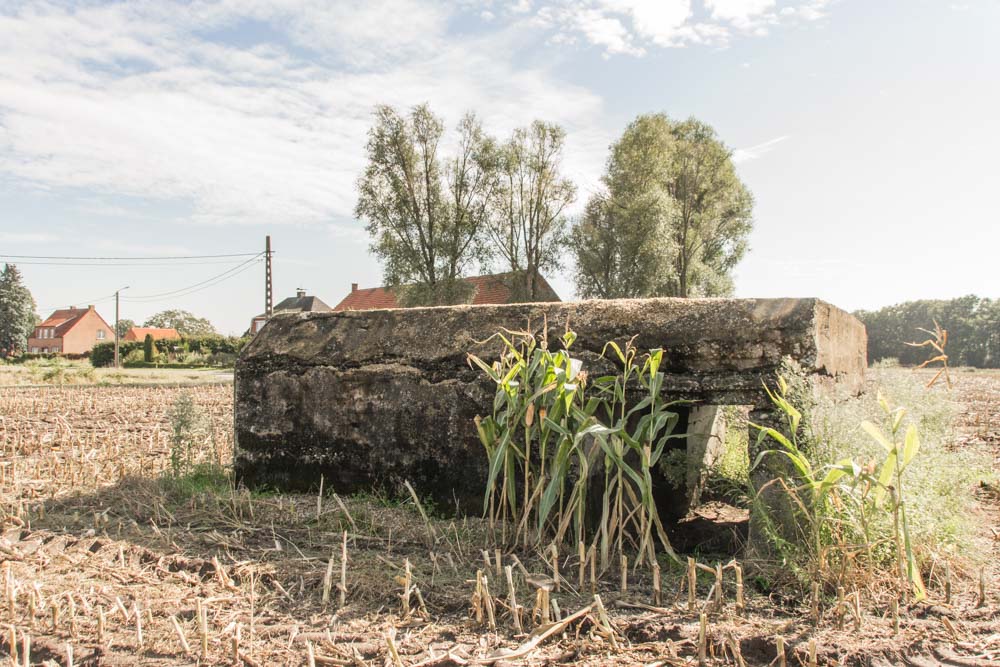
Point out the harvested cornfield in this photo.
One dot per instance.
(118, 548)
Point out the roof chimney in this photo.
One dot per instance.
(72, 307)
(90, 307)
(300, 292)
(354, 287)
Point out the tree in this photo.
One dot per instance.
(185, 323)
(17, 313)
(972, 322)
(123, 326)
(674, 220)
(147, 348)
(527, 222)
(714, 211)
(622, 243)
(425, 214)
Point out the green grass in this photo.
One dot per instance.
(201, 479)
(942, 479)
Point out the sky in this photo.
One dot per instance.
(866, 130)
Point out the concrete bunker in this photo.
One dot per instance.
(369, 399)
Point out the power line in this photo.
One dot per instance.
(197, 287)
(135, 258)
(102, 265)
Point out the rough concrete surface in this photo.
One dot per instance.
(371, 398)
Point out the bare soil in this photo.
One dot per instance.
(92, 531)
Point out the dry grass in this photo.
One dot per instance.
(60, 372)
(93, 530)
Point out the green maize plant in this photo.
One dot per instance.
(552, 431)
(900, 452)
(819, 496)
(840, 506)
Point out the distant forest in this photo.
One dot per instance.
(972, 322)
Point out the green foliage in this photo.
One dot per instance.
(940, 480)
(674, 218)
(124, 325)
(186, 323)
(553, 432)
(424, 213)
(17, 313)
(874, 502)
(201, 478)
(188, 431)
(209, 350)
(527, 219)
(147, 348)
(900, 452)
(973, 326)
(728, 477)
(432, 218)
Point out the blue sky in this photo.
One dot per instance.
(866, 130)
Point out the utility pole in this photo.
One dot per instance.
(268, 295)
(117, 360)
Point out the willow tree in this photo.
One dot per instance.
(425, 213)
(528, 218)
(622, 243)
(674, 219)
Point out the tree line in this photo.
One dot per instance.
(972, 322)
(671, 217)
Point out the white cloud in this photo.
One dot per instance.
(738, 11)
(667, 23)
(756, 151)
(256, 111)
(606, 32)
(146, 100)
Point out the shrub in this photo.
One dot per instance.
(147, 348)
(188, 428)
(880, 491)
(103, 354)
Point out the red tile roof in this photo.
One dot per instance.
(64, 319)
(139, 333)
(488, 289)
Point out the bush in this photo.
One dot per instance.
(851, 456)
(103, 354)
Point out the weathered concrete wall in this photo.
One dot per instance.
(375, 397)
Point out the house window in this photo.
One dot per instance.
(100, 334)
(34, 350)
(57, 349)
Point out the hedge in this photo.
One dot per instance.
(103, 354)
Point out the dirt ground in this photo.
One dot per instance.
(104, 563)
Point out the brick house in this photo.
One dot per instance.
(489, 289)
(70, 331)
(139, 334)
(300, 303)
